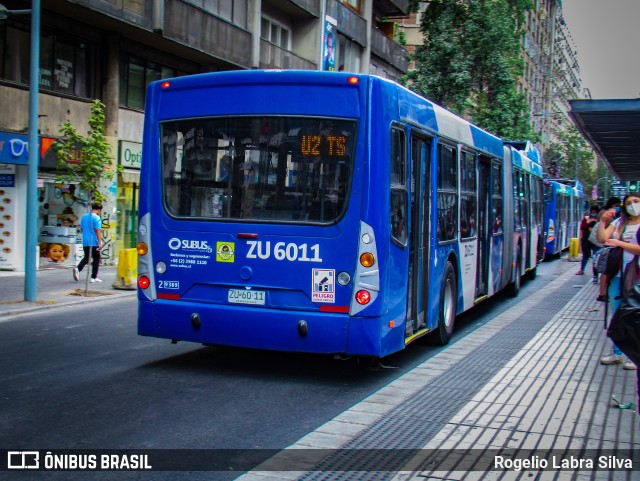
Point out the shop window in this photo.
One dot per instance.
(64, 61)
(16, 55)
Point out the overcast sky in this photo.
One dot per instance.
(607, 37)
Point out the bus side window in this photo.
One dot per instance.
(516, 199)
(398, 185)
(447, 199)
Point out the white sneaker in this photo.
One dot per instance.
(95, 279)
(629, 366)
(611, 359)
(76, 274)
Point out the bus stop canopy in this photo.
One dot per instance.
(612, 127)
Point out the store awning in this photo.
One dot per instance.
(612, 127)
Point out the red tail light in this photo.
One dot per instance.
(363, 297)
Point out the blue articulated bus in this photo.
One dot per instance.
(563, 213)
(322, 212)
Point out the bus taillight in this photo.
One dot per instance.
(367, 259)
(363, 297)
(144, 282)
(142, 248)
(165, 85)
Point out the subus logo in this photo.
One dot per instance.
(175, 244)
(23, 460)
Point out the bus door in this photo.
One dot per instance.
(484, 238)
(418, 237)
(527, 220)
(538, 212)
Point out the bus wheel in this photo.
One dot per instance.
(531, 274)
(448, 298)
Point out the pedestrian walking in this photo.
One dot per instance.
(91, 227)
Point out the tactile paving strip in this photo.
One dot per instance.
(425, 413)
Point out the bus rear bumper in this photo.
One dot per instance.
(260, 328)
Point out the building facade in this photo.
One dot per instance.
(552, 73)
(111, 49)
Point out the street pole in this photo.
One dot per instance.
(34, 157)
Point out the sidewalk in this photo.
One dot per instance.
(527, 385)
(54, 288)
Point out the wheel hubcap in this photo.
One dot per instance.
(448, 303)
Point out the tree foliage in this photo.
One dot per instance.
(85, 159)
(571, 158)
(471, 62)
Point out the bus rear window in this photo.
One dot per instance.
(281, 169)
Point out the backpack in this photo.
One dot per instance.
(609, 261)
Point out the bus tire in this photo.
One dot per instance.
(532, 273)
(448, 301)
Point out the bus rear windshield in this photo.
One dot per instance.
(272, 169)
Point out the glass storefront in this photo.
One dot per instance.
(127, 210)
(129, 159)
(60, 208)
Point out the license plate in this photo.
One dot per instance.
(246, 296)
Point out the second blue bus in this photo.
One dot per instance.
(564, 208)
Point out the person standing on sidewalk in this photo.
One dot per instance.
(621, 232)
(587, 224)
(91, 226)
(612, 203)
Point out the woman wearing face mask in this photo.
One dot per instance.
(587, 224)
(621, 232)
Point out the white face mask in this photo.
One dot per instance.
(633, 209)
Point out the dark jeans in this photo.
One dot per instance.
(587, 249)
(95, 260)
